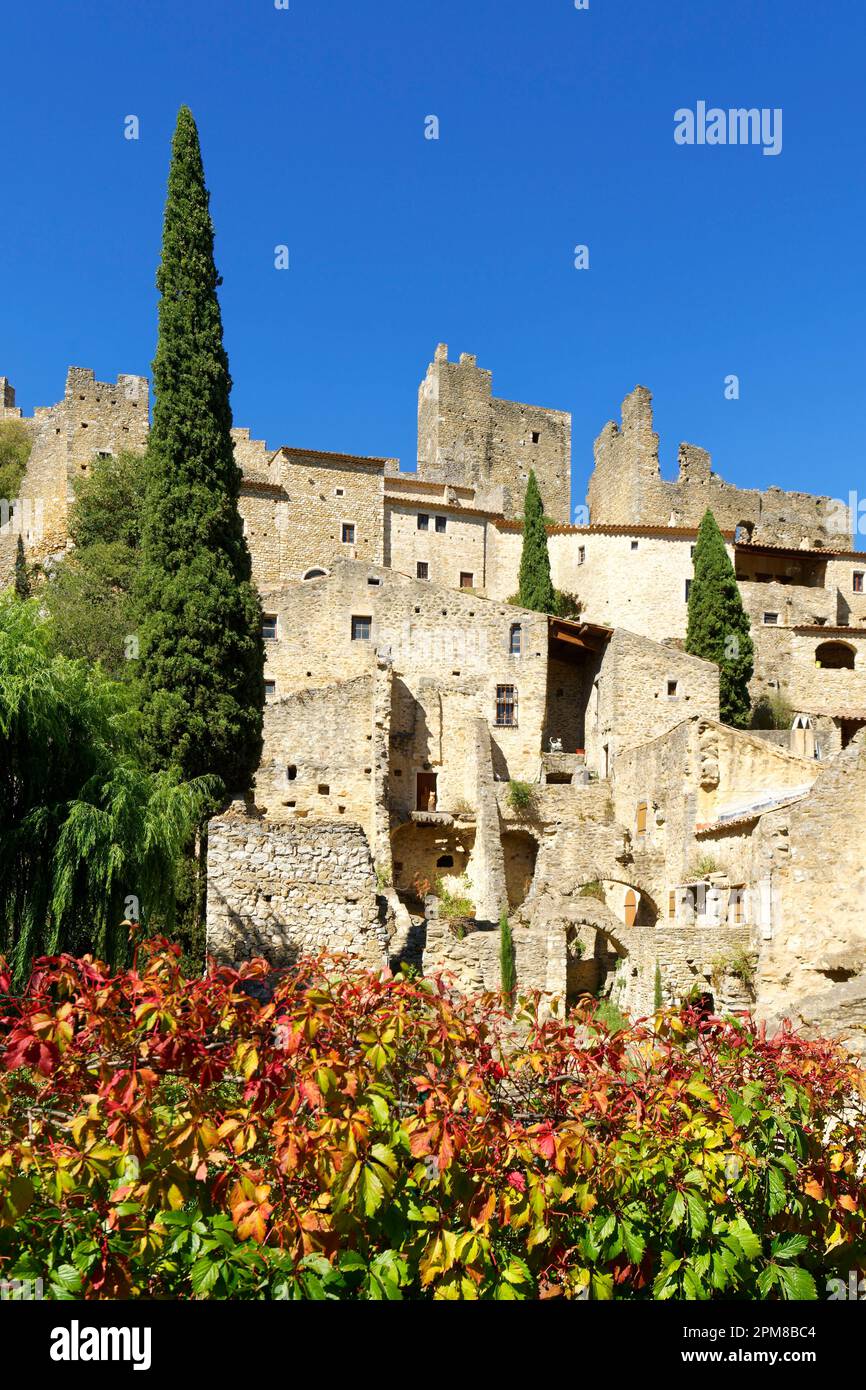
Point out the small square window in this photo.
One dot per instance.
(422, 570)
(634, 545)
(857, 579)
(324, 789)
(339, 492)
(441, 524)
(270, 689)
(269, 626)
(348, 533)
(535, 436)
(423, 521)
(467, 580)
(372, 579)
(771, 619)
(673, 689)
(361, 629)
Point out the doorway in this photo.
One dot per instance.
(425, 787)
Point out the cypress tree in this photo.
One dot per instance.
(535, 588)
(718, 628)
(22, 578)
(198, 614)
(507, 963)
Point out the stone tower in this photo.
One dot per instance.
(467, 436)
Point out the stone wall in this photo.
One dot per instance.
(468, 436)
(455, 557)
(626, 487)
(282, 890)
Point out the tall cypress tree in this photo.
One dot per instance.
(535, 588)
(718, 627)
(198, 614)
(22, 578)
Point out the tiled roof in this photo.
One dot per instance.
(757, 547)
(614, 529)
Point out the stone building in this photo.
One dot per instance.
(434, 755)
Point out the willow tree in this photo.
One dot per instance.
(718, 627)
(87, 836)
(198, 614)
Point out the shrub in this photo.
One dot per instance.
(454, 905)
(771, 712)
(592, 890)
(521, 797)
(739, 964)
(704, 865)
(340, 1134)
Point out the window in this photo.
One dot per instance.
(535, 436)
(361, 629)
(630, 906)
(640, 818)
(270, 689)
(692, 549)
(672, 903)
(743, 532)
(339, 492)
(506, 706)
(441, 523)
(673, 689)
(634, 545)
(348, 533)
(423, 521)
(314, 574)
(771, 619)
(857, 581)
(445, 861)
(372, 579)
(269, 626)
(581, 554)
(688, 589)
(324, 789)
(291, 772)
(514, 639)
(736, 904)
(467, 580)
(422, 570)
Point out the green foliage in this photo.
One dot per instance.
(771, 712)
(737, 963)
(565, 604)
(718, 626)
(507, 963)
(454, 905)
(15, 445)
(657, 989)
(82, 827)
(535, 589)
(359, 1137)
(89, 598)
(704, 865)
(607, 1013)
(521, 797)
(21, 583)
(199, 617)
(593, 890)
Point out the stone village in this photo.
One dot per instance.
(426, 741)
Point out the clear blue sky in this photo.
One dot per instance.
(556, 128)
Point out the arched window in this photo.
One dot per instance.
(835, 656)
(315, 574)
(743, 532)
(515, 638)
(630, 907)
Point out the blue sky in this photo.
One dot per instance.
(556, 129)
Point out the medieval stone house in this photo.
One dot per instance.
(427, 742)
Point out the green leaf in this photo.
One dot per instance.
(796, 1283)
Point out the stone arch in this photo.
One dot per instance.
(743, 532)
(315, 573)
(835, 656)
(520, 853)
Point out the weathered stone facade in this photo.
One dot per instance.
(432, 750)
